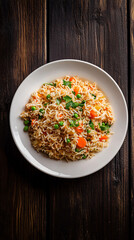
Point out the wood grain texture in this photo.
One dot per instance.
(36, 206)
(131, 111)
(97, 205)
(23, 189)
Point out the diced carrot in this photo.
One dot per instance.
(93, 114)
(81, 142)
(79, 129)
(71, 79)
(90, 87)
(76, 90)
(32, 122)
(60, 115)
(39, 94)
(103, 138)
(34, 97)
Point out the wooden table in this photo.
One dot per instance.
(34, 205)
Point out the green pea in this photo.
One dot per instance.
(56, 126)
(33, 108)
(48, 96)
(78, 95)
(75, 115)
(26, 122)
(61, 123)
(88, 131)
(76, 150)
(68, 140)
(25, 128)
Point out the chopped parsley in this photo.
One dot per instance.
(91, 124)
(73, 92)
(45, 104)
(67, 83)
(78, 150)
(67, 98)
(104, 127)
(48, 96)
(93, 95)
(82, 103)
(73, 123)
(72, 104)
(58, 101)
(42, 111)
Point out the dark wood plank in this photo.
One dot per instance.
(97, 206)
(131, 110)
(23, 189)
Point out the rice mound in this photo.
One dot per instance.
(52, 123)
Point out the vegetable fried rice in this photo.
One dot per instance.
(68, 119)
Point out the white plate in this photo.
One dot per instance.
(50, 72)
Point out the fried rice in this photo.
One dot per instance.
(68, 119)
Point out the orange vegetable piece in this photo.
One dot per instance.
(103, 138)
(60, 115)
(93, 114)
(79, 129)
(71, 79)
(81, 142)
(32, 122)
(90, 87)
(76, 90)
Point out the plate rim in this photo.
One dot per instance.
(54, 173)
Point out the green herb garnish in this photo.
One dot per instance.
(58, 101)
(68, 140)
(91, 124)
(45, 104)
(67, 83)
(42, 111)
(73, 123)
(78, 150)
(48, 96)
(93, 95)
(82, 103)
(67, 98)
(72, 104)
(84, 156)
(75, 115)
(104, 126)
